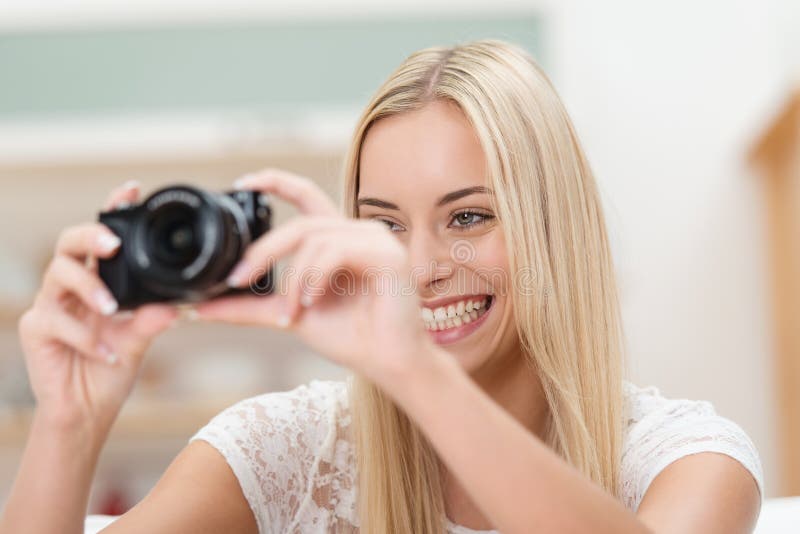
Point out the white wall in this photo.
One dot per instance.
(667, 98)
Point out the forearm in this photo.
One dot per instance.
(51, 489)
(520, 484)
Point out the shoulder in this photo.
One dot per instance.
(660, 430)
(309, 411)
(278, 443)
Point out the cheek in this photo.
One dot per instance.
(491, 259)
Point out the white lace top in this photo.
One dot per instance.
(292, 454)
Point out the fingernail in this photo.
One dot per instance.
(105, 302)
(108, 242)
(238, 275)
(107, 353)
(241, 182)
(305, 300)
(131, 184)
(283, 321)
(187, 312)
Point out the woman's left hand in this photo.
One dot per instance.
(349, 294)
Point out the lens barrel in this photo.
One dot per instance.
(185, 241)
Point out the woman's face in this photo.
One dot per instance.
(423, 173)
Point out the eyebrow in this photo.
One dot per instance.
(446, 199)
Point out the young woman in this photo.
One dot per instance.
(469, 286)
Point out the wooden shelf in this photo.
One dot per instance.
(777, 158)
(139, 420)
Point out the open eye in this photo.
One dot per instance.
(467, 219)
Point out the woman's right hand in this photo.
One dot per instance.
(82, 357)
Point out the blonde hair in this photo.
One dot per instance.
(569, 326)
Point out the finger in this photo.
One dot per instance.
(66, 329)
(329, 263)
(125, 194)
(307, 273)
(272, 246)
(245, 310)
(300, 191)
(67, 275)
(89, 239)
(343, 257)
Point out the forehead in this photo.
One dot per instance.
(421, 155)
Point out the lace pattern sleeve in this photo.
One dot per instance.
(271, 442)
(662, 430)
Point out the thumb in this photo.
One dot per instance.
(259, 310)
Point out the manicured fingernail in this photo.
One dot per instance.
(306, 301)
(108, 242)
(105, 302)
(238, 275)
(283, 321)
(107, 353)
(242, 181)
(186, 312)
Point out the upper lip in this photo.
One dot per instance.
(444, 301)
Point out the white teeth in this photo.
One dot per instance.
(453, 315)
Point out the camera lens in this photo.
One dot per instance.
(173, 237)
(185, 241)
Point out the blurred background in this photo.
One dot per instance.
(689, 112)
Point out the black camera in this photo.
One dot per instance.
(180, 244)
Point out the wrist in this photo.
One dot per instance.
(70, 428)
(423, 375)
(55, 473)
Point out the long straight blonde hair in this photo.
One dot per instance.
(569, 326)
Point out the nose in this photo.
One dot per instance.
(430, 260)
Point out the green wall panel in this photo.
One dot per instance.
(267, 67)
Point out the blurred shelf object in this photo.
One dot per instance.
(141, 420)
(777, 158)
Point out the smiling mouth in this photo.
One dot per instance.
(456, 313)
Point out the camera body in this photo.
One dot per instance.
(180, 244)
